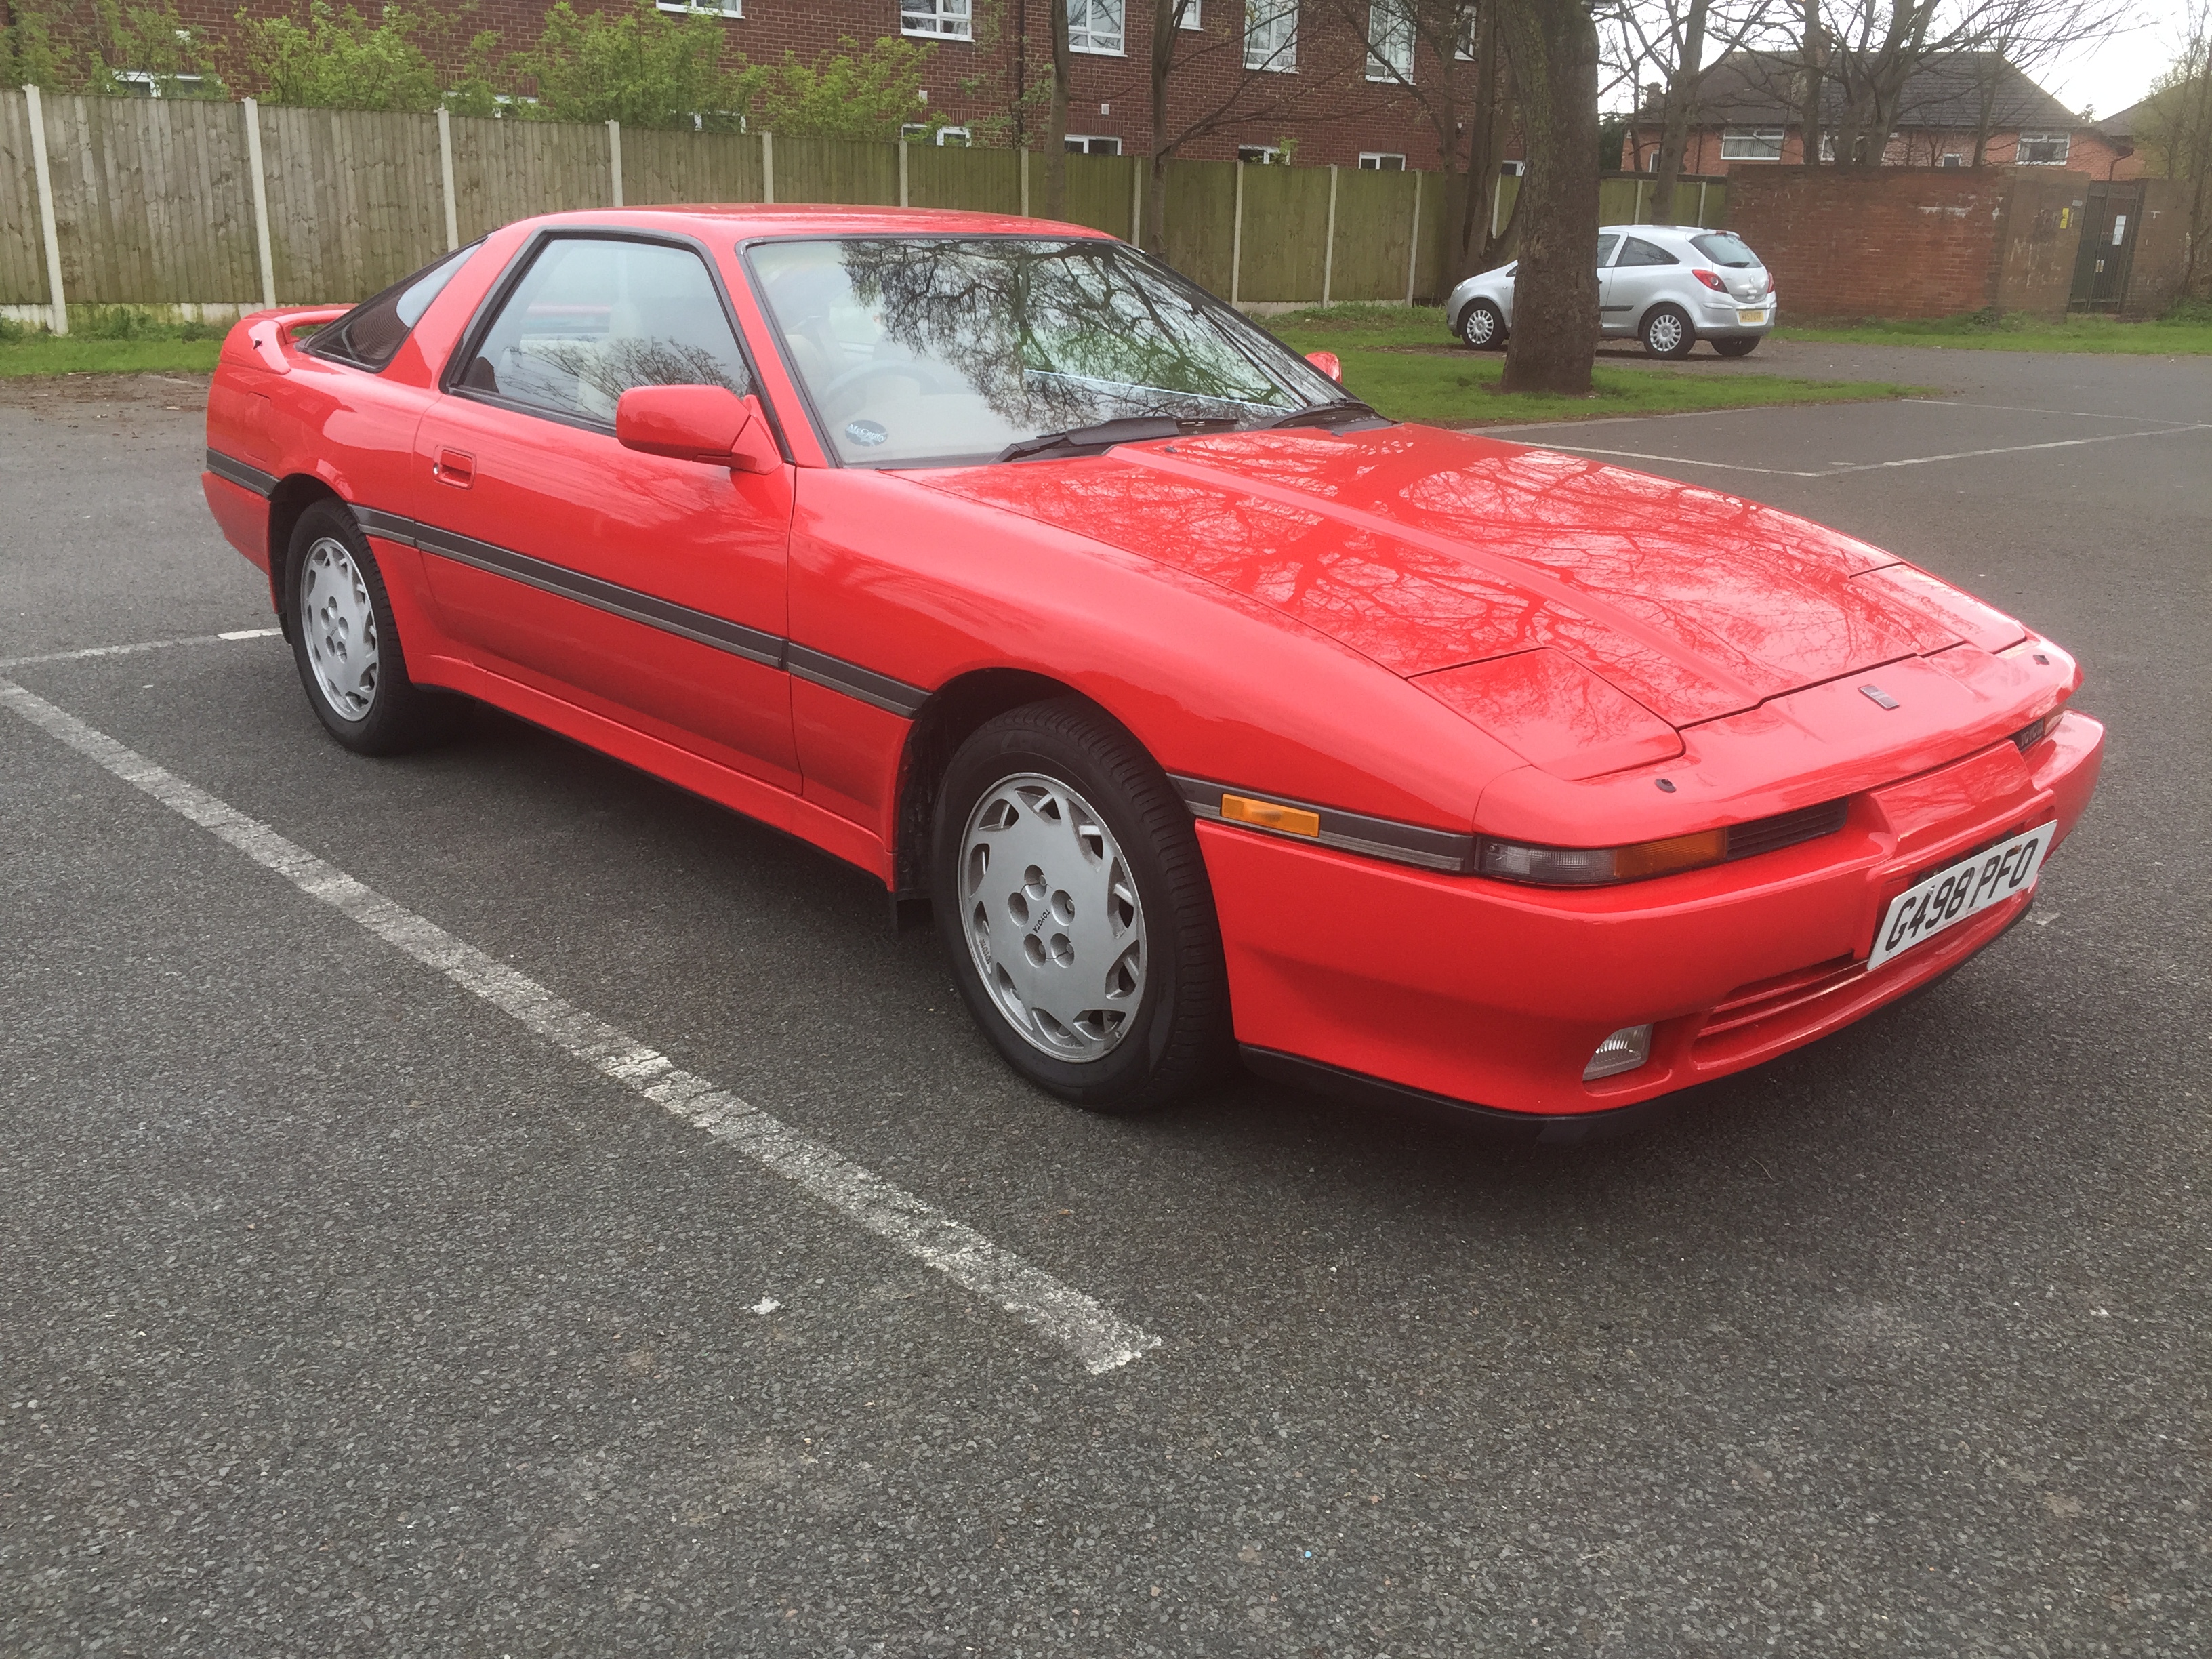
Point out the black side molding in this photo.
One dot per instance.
(237, 472)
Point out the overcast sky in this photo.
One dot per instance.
(2107, 75)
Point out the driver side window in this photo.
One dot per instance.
(592, 317)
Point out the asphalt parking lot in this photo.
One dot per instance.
(354, 1301)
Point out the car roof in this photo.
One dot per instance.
(748, 219)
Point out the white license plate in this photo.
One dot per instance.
(1957, 891)
(1751, 316)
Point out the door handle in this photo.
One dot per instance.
(453, 467)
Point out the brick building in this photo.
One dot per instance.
(1282, 79)
(1746, 115)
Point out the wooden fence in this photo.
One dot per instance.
(223, 206)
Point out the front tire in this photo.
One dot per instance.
(1741, 345)
(1072, 900)
(1482, 326)
(1666, 332)
(346, 645)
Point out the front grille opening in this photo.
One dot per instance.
(1785, 829)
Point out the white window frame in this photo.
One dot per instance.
(1099, 28)
(946, 136)
(1271, 36)
(1190, 17)
(1079, 143)
(1512, 169)
(1371, 161)
(152, 83)
(1469, 24)
(708, 7)
(937, 19)
(1751, 144)
(2064, 141)
(1260, 156)
(1950, 158)
(1389, 30)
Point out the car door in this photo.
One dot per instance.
(646, 589)
(1607, 246)
(1641, 273)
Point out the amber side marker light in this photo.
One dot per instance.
(1582, 867)
(1266, 815)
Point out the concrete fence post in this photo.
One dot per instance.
(1025, 181)
(252, 111)
(1328, 252)
(1701, 203)
(1137, 203)
(55, 299)
(446, 178)
(1236, 242)
(768, 169)
(1497, 201)
(903, 188)
(614, 158)
(1414, 250)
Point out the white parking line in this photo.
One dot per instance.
(1101, 1339)
(133, 650)
(1844, 469)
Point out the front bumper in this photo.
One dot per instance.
(1463, 989)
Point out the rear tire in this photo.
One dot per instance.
(1666, 332)
(1482, 326)
(1072, 901)
(346, 644)
(1741, 346)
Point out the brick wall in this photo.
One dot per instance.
(1327, 106)
(2089, 153)
(1887, 242)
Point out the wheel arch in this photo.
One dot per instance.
(955, 710)
(292, 497)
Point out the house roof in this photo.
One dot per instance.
(2124, 125)
(1761, 88)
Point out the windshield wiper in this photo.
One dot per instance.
(1320, 415)
(1128, 430)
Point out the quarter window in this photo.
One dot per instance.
(2042, 149)
(942, 20)
(1094, 25)
(1605, 247)
(591, 319)
(1751, 144)
(370, 335)
(1271, 35)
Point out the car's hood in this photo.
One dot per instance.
(1425, 549)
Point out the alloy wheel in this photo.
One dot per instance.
(339, 625)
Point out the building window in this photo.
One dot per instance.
(942, 20)
(1751, 144)
(1377, 160)
(1271, 35)
(1259, 154)
(1094, 25)
(1512, 169)
(711, 7)
(1390, 41)
(143, 83)
(2042, 149)
(1467, 24)
(1190, 17)
(1085, 143)
(954, 138)
(1952, 159)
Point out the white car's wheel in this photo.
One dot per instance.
(1668, 333)
(1482, 326)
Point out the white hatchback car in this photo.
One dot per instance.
(1669, 286)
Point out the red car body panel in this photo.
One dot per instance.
(1441, 634)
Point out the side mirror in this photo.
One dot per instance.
(1327, 362)
(710, 423)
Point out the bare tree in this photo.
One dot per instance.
(1675, 38)
(2176, 135)
(1055, 138)
(1555, 61)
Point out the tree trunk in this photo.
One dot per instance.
(1681, 93)
(1554, 339)
(1055, 138)
(1471, 252)
(1815, 71)
(1167, 18)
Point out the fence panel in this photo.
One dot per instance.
(152, 200)
(1285, 234)
(1201, 221)
(661, 168)
(22, 244)
(983, 180)
(508, 170)
(1101, 192)
(848, 170)
(1442, 199)
(355, 199)
(1374, 235)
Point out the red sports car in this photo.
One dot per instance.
(1208, 711)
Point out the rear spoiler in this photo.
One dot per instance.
(271, 332)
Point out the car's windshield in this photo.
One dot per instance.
(1725, 250)
(919, 350)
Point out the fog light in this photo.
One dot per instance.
(1623, 1051)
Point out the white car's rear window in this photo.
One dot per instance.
(1725, 250)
